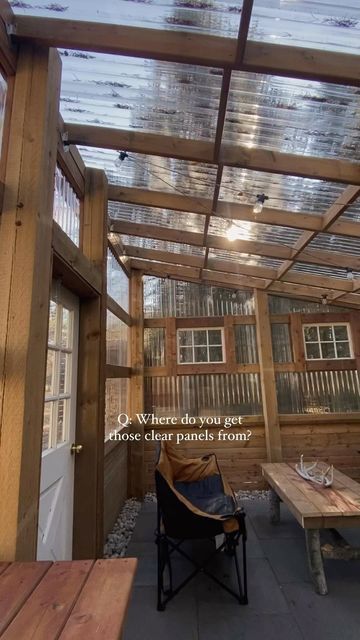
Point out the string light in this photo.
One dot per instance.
(259, 204)
(349, 274)
(120, 159)
(324, 299)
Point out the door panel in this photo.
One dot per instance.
(57, 468)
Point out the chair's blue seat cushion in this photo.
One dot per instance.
(207, 495)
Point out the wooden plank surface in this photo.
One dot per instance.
(17, 582)
(101, 608)
(45, 612)
(306, 500)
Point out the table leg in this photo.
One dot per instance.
(316, 566)
(274, 507)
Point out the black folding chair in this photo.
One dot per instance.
(194, 501)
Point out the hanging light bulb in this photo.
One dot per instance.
(324, 299)
(259, 204)
(120, 159)
(349, 274)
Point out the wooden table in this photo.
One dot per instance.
(65, 600)
(316, 508)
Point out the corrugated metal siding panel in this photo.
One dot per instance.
(154, 347)
(245, 344)
(281, 343)
(318, 392)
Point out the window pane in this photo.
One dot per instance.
(186, 354)
(117, 282)
(64, 376)
(52, 322)
(326, 333)
(61, 421)
(50, 373)
(46, 426)
(312, 350)
(343, 349)
(66, 208)
(201, 354)
(341, 332)
(200, 337)
(310, 334)
(65, 328)
(214, 336)
(328, 350)
(185, 338)
(215, 354)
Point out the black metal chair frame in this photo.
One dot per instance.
(166, 546)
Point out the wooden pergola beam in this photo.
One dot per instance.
(236, 268)
(190, 274)
(255, 159)
(190, 48)
(281, 252)
(230, 210)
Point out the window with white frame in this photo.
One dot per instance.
(200, 345)
(327, 341)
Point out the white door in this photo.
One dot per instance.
(57, 467)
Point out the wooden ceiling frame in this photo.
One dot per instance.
(190, 48)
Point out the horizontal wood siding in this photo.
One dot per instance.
(337, 443)
(115, 483)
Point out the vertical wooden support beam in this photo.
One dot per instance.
(230, 348)
(170, 346)
(89, 467)
(355, 336)
(297, 341)
(25, 277)
(267, 377)
(136, 469)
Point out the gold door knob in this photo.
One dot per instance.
(76, 448)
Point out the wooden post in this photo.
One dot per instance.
(267, 377)
(25, 277)
(89, 467)
(136, 470)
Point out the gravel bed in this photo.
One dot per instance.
(120, 536)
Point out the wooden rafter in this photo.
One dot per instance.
(236, 268)
(329, 217)
(256, 159)
(191, 48)
(278, 251)
(231, 210)
(191, 274)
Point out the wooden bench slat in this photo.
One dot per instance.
(45, 612)
(16, 584)
(321, 498)
(100, 610)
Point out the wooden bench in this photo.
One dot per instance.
(315, 508)
(65, 600)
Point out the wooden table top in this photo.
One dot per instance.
(315, 507)
(65, 600)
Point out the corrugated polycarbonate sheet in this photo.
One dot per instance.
(153, 172)
(154, 346)
(353, 212)
(203, 395)
(291, 193)
(164, 298)
(293, 116)
(244, 258)
(281, 343)
(162, 245)
(255, 232)
(282, 304)
(140, 95)
(318, 392)
(245, 344)
(339, 244)
(330, 272)
(205, 16)
(159, 217)
(319, 24)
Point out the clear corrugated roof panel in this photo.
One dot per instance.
(339, 244)
(291, 193)
(140, 95)
(293, 116)
(153, 172)
(319, 24)
(254, 231)
(353, 212)
(317, 270)
(216, 17)
(159, 217)
(244, 258)
(162, 245)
